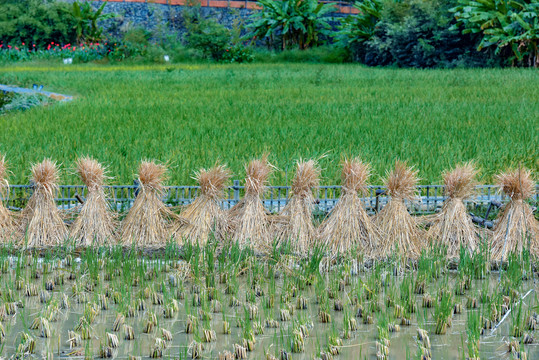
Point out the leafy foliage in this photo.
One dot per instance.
(357, 29)
(209, 37)
(36, 22)
(408, 33)
(506, 24)
(87, 19)
(293, 22)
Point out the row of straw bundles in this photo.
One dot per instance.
(348, 227)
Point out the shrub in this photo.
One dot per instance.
(87, 19)
(291, 22)
(209, 37)
(512, 27)
(320, 54)
(5, 98)
(36, 22)
(237, 54)
(409, 33)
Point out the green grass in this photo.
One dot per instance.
(193, 115)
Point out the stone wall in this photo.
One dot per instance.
(167, 19)
(161, 17)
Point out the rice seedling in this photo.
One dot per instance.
(517, 321)
(453, 227)
(204, 215)
(517, 225)
(400, 230)
(26, 346)
(41, 220)
(297, 224)
(348, 227)
(95, 223)
(8, 226)
(129, 333)
(148, 222)
(473, 332)
(249, 219)
(424, 346)
(443, 312)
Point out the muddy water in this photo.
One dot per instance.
(361, 344)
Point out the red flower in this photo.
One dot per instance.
(23, 44)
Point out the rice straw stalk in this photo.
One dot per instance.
(204, 214)
(96, 223)
(453, 227)
(348, 227)
(42, 222)
(399, 228)
(149, 221)
(249, 220)
(517, 225)
(298, 227)
(8, 225)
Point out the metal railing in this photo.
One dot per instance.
(121, 197)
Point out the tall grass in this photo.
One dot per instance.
(192, 115)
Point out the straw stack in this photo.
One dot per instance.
(297, 227)
(348, 227)
(399, 228)
(148, 222)
(453, 227)
(248, 218)
(42, 223)
(96, 222)
(204, 214)
(8, 226)
(517, 226)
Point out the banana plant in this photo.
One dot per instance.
(296, 22)
(360, 27)
(87, 19)
(510, 24)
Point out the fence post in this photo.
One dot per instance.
(236, 187)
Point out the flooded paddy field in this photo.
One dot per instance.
(211, 303)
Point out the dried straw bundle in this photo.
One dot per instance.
(348, 226)
(41, 220)
(517, 224)
(8, 226)
(453, 227)
(399, 228)
(148, 222)
(248, 218)
(204, 214)
(297, 226)
(96, 223)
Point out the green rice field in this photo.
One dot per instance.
(193, 115)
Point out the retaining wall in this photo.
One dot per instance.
(167, 14)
